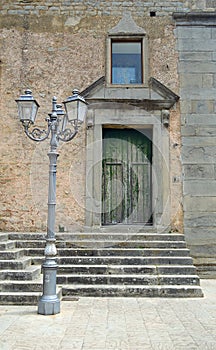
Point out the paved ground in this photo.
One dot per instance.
(114, 323)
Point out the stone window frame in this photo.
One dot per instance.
(144, 54)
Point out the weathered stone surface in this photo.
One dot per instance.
(194, 235)
(201, 204)
(200, 188)
(198, 130)
(197, 45)
(200, 220)
(102, 7)
(200, 120)
(199, 154)
(145, 270)
(197, 90)
(51, 54)
(52, 47)
(199, 171)
(198, 140)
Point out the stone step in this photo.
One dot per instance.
(127, 269)
(16, 236)
(128, 279)
(71, 252)
(32, 244)
(3, 236)
(98, 264)
(103, 244)
(17, 264)
(131, 291)
(121, 228)
(29, 273)
(21, 286)
(120, 237)
(7, 245)
(206, 267)
(12, 254)
(68, 237)
(23, 298)
(111, 260)
(117, 260)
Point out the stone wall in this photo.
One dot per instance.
(197, 70)
(92, 7)
(52, 47)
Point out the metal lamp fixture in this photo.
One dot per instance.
(66, 130)
(75, 107)
(27, 107)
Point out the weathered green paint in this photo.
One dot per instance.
(127, 158)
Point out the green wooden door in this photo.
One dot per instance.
(127, 158)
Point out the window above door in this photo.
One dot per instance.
(126, 62)
(127, 58)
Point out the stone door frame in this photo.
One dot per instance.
(117, 114)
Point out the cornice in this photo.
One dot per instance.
(203, 18)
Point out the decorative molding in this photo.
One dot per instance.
(155, 96)
(195, 18)
(126, 26)
(165, 114)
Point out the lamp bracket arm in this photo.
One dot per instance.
(37, 134)
(67, 134)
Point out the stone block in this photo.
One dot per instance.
(200, 219)
(197, 67)
(189, 130)
(197, 141)
(194, 33)
(201, 119)
(202, 106)
(185, 106)
(196, 45)
(200, 188)
(200, 235)
(198, 130)
(193, 56)
(199, 155)
(202, 250)
(202, 93)
(190, 80)
(206, 131)
(199, 171)
(199, 204)
(208, 80)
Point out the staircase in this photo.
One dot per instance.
(20, 280)
(98, 264)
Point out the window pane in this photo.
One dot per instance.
(126, 63)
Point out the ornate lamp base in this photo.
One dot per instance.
(49, 303)
(48, 306)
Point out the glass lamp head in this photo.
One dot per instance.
(27, 107)
(76, 108)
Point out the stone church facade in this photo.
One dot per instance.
(146, 155)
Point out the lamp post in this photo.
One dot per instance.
(59, 130)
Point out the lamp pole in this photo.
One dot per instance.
(58, 130)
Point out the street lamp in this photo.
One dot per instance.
(59, 130)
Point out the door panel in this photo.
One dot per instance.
(127, 156)
(113, 191)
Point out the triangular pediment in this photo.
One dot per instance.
(153, 96)
(126, 26)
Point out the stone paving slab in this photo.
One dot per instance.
(115, 324)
